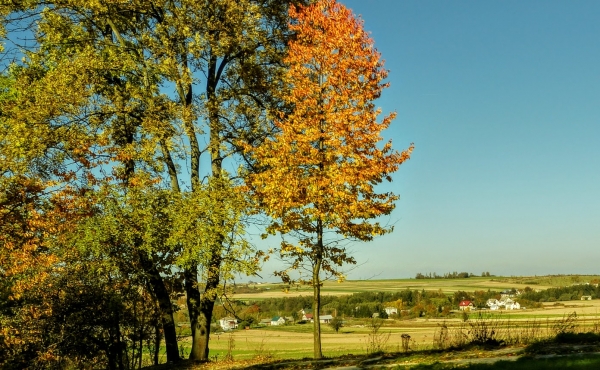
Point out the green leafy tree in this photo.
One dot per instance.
(336, 324)
(144, 91)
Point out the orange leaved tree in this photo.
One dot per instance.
(316, 176)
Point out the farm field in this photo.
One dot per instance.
(295, 341)
(448, 286)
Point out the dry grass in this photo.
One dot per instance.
(297, 342)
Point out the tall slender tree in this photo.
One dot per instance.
(316, 177)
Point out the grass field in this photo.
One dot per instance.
(355, 338)
(296, 341)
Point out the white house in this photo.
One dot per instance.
(513, 306)
(228, 323)
(491, 302)
(277, 320)
(505, 303)
(391, 311)
(325, 319)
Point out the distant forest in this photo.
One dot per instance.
(450, 275)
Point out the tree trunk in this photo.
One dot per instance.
(157, 340)
(193, 303)
(202, 309)
(317, 311)
(316, 280)
(166, 307)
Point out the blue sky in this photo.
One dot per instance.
(502, 101)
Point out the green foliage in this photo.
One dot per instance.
(564, 293)
(336, 324)
(215, 208)
(123, 94)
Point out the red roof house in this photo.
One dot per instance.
(465, 305)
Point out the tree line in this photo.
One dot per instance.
(139, 139)
(450, 275)
(410, 303)
(566, 293)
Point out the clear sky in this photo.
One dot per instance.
(502, 101)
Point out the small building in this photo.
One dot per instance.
(512, 305)
(325, 319)
(586, 297)
(465, 305)
(228, 323)
(508, 304)
(492, 302)
(265, 322)
(391, 311)
(308, 317)
(277, 320)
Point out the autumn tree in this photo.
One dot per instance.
(161, 87)
(316, 177)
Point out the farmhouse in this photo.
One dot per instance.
(265, 322)
(307, 317)
(510, 293)
(505, 303)
(465, 305)
(228, 323)
(391, 311)
(277, 320)
(325, 319)
(492, 302)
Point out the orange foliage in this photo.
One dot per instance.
(31, 223)
(317, 175)
(327, 157)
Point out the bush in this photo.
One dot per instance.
(336, 324)
(565, 297)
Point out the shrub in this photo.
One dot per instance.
(565, 297)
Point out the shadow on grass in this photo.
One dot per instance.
(566, 343)
(576, 362)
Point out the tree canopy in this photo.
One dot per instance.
(317, 174)
(130, 133)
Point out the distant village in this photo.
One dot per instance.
(406, 304)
